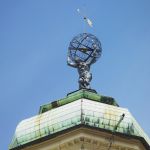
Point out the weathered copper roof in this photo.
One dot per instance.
(82, 107)
(89, 94)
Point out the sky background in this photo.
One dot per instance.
(34, 38)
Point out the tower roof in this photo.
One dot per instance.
(73, 96)
(79, 108)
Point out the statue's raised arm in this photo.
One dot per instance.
(71, 63)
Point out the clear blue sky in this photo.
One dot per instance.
(34, 37)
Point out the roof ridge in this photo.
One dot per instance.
(73, 96)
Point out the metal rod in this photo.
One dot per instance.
(114, 130)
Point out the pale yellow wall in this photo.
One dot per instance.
(87, 139)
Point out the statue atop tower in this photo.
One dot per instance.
(84, 50)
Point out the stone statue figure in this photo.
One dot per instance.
(84, 50)
(84, 73)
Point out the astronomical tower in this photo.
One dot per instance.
(83, 119)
